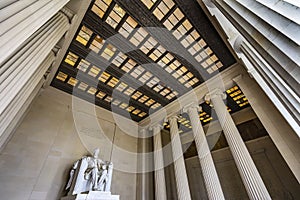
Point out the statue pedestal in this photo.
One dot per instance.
(92, 195)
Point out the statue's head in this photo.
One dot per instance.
(96, 153)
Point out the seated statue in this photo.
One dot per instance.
(90, 174)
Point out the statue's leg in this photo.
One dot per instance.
(95, 178)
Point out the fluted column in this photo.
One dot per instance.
(183, 191)
(211, 179)
(20, 19)
(22, 71)
(251, 178)
(159, 174)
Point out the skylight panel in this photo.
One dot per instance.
(72, 81)
(163, 8)
(129, 91)
(83, 65)
(123, 105)
(108, 99)
(92, 91)
(136, 111)
(143, 98)
(158, 88)
(100, 7)
(173, 19)
(137, 71)
(82, 86)
(172, 95)
(108, 52)
(113, 82)
(165, 91)
(61, 76)
(208, 51)
(136, 95)
(101, 95)
(128, 26)
(138, 37)
(104, 77)
(122, 86)
(145, 77)
(130, 108)
(157, 53)
(149, 3)
(84, 35)
(150, 102)
(71, 58)
(129, 65)
(116, 102)
(187, 41)
(152, 82)
(142, 114)
(94, 71)
(97, 44)
(115, 16)
(119, 59)
(156, 105)
(148, 45)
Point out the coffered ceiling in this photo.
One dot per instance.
(135, 56)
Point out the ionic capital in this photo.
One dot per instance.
(156, 126)
(215, 93)
(189, 107)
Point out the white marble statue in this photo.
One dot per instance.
(90, 174)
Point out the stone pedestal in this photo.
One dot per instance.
(92, 195)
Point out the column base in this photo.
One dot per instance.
(92, 195)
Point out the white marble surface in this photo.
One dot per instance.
(93, 195)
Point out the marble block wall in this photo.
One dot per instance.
(35, 163)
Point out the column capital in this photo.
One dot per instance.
(193, 105)
(237, 44)
(156, 125)
(251, 72)
(171, 117)
(209, 3)
(214, 93)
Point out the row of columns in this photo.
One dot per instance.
(250, 176)
(27, 52)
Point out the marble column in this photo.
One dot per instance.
(24, 70)
(211, 179)
(251, 178)
(280, 131)
(183, 191)
(145, 176)
(21, 19)
(159, 173)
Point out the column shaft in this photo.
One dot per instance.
(254, 184)
(183, 191)
(22, 71)
(211, 179)
(21, 20)
(160, 184)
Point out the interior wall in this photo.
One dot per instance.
(35, 163)
(276, 175)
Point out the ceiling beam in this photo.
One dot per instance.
(81, 76)
(92, 99)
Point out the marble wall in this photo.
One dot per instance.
(57, 131)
